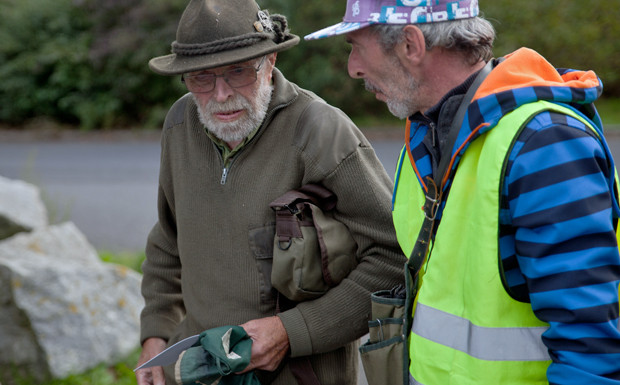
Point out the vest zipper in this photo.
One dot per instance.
(224, 175)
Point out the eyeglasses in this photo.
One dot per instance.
(234, 77)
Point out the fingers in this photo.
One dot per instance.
(269, 343)
(151, 376)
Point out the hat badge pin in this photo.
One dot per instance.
(264, 22)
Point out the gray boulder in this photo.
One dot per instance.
(64, 311)
(21, 208)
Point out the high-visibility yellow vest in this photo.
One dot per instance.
(466, 328)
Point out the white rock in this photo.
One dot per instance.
(21, 207)
(63, 310)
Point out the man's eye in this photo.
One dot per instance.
(237, 72)
(203, 78)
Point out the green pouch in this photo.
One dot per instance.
(383, 355)
(312, 251)
(216, 357)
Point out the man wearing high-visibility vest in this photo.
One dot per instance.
(520, 282)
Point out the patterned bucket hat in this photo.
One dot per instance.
(362, 13)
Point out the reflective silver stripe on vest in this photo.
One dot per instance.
(490, 344)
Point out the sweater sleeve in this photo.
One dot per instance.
(340, 158)
(161, 282)
(565, 247)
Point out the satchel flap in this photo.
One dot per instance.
(313, 193)
(338, 248)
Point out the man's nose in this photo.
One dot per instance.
(354, 66)
(222, 90)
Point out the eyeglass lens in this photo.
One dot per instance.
(235, 77)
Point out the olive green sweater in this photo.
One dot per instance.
(208, 257)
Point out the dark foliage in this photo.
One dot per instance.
(84, 62)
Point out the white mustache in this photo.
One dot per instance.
(239, 103)
(371, 87)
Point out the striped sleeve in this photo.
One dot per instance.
(559, 248)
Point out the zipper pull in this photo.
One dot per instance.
(433, 133)
(224, 175)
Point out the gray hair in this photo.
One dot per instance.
(472, 37)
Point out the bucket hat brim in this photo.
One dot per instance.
(175, 64)
(362, 13)
(337, 29)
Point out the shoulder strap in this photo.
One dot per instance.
(434, 193)
(433, 202)
(458, 121)
(287, 226)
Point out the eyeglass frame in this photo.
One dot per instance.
(223, 75)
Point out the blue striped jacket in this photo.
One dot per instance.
(558, 247)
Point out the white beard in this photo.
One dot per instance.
(400, 93)
(245, 125)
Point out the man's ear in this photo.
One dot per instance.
(412, 49)
(271, 60)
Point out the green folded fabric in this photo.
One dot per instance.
(216, 357)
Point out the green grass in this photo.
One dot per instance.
(118, 374)
(131, 260)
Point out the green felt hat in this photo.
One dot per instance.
(215, 33)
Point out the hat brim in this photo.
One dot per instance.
(174, 64)
(336, 29)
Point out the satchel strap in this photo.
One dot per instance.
(301, 367)
(313, 193)
(291, 204)
(287, 227)
(287, 208)
(302, 370)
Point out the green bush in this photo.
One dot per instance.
(321, 65)
(43, 59)
(570, 34)
(84, 62)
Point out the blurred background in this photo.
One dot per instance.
(80, 67)
(82, 64)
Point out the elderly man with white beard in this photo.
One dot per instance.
(242, 137)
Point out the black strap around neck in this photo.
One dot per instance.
(434, 191)
(458, 121)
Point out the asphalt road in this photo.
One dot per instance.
(106, 186)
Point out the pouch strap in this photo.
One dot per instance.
(289, 209)
(301, 367)
(302, 371)
(287, 226)
(313, 193)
